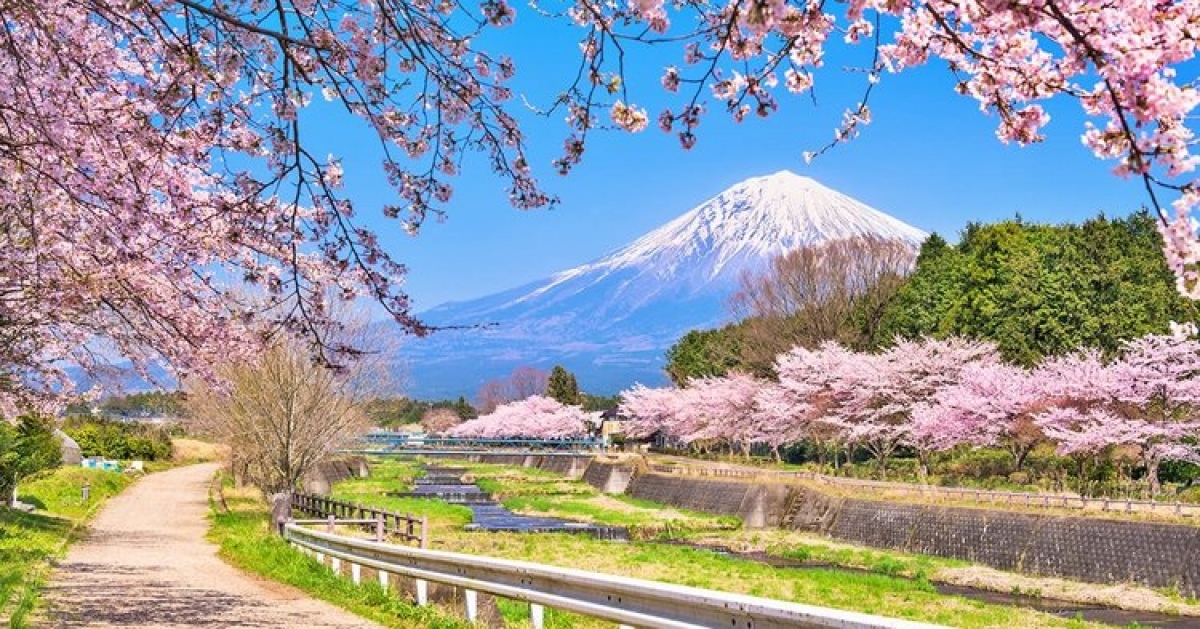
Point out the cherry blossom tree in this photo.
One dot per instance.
(992, 404)
(883, 390)
(155, 153)
(811, 388)
(722, 409)
(1147, 399)
(534, 417)
(650, 410)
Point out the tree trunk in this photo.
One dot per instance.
(1152, 476)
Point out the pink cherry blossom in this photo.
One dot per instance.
(535, 417)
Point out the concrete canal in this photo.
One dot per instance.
(447, 484)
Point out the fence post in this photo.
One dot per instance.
(383, 580)
(424, 532)
(537, 616)
(1128, 505)
(422, 592)
(472, 599)
(379, 527)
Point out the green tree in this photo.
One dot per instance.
(1040, 290)
(27, 447)
(704, 353)
(599, 402)
(562, 386)
(464, 408)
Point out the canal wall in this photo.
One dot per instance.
(1153, 554)
(569, 465)
(330, 471)
(610, 477)
(759, 505)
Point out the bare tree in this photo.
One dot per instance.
(439, 420)
(523, 382)
(832, 291)
(527, 382)
(284, 412)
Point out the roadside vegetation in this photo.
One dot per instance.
(29, 541)
(244, 538)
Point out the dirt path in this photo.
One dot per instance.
(144, 563)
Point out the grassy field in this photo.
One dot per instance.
(29, 540)
(890, 584)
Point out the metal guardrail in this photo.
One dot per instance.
(630, 602)
(405, 526)
(1012, 498)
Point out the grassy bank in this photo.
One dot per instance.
(890, 584)
(244, 539)
(28, 541)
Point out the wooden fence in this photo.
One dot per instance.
(402, 526)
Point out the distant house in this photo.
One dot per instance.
(71, 454)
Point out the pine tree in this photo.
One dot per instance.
(562, 386)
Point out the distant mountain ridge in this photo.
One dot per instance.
(611, 320)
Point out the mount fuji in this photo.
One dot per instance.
(611, 320)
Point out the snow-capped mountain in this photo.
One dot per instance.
(611, 320)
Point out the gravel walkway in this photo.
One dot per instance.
(144, 563)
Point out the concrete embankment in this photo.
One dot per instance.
(1091, 549)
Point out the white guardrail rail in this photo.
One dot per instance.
(629, 602)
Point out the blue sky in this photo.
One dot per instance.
(929, 158)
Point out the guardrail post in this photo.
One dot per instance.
(422, 592)
(335, 564)
(383, 580)
(320, 558)
(472, 599)
(537, 616)
(355, 573)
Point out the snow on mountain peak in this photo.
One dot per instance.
(707, 248)
(758, 218)
(618, 314)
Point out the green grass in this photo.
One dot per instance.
(245, 541)
(28, 541)
(913, 599)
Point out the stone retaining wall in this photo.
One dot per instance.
(609, 477)
(1089, 549)
(330, 471)
(759, 505)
